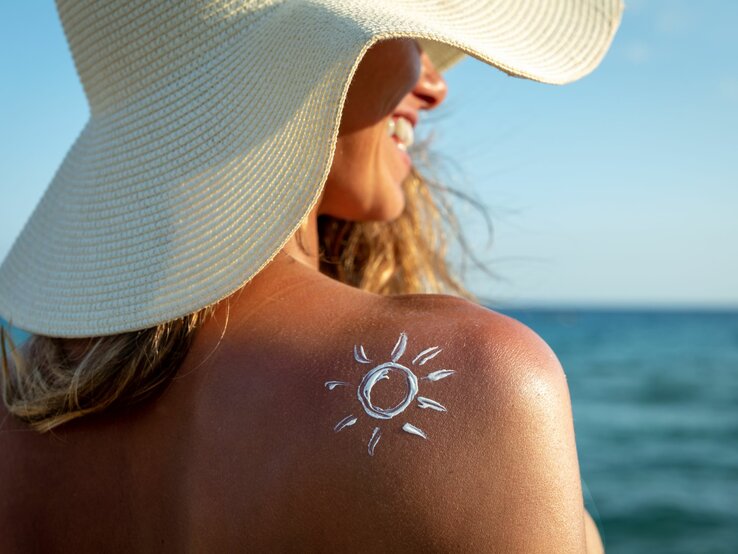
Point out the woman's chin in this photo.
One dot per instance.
(387, 214)
(389, 205)
(384, 209)
(378, 198)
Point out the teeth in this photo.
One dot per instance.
(403, 130)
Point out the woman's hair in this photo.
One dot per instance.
(52, 381)
(402, 256)
(49, 384)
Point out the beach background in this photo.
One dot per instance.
(654, 397)
(613, 207)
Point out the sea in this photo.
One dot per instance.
(654, 396)
(655, 403)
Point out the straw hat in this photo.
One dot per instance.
(211, 133)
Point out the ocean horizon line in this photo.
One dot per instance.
(611, 307)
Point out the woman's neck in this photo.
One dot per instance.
(305, 248)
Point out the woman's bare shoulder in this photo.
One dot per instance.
(502, 453)
(488, 340)
(419, 422)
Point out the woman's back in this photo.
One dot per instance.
(241, 451)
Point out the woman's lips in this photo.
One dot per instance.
(401, 151)
(411, 116)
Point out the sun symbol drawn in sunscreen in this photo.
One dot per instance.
(383, 371)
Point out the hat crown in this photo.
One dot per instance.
(123, 48)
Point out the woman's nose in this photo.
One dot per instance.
(431, 87)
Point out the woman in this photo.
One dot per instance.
(305, 410)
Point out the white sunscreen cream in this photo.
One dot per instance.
(385, 370)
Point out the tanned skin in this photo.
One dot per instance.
(239, 453)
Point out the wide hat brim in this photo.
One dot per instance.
(180, 189)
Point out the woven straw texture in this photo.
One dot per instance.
(211, 133)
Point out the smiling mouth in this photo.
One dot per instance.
(401, 152)
(400, 129)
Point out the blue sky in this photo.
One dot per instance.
(620, 189)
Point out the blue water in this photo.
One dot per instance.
(654, 396)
